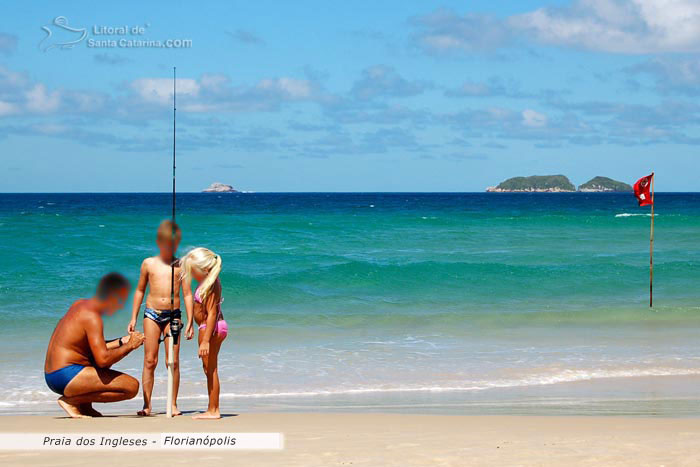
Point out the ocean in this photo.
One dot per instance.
(388, 302)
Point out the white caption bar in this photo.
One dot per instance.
(139, 441)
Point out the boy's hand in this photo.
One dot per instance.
(132, 326)
(136, 340)
(204, 350)
(189, 331)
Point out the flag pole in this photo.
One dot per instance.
(651, 247)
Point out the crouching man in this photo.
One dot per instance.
(78, 359)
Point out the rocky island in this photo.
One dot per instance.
(534, 184)
(218, 187)
(598, 184)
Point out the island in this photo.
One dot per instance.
(534, 184)
(218, 187)
(600, 184)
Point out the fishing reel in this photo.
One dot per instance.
(175, 329)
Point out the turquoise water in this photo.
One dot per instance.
(424, 302)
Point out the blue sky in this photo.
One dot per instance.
(349, 96)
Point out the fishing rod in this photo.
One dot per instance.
(175, 323)
(172, 227)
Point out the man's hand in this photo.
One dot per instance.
(131, 327)
(135, 340)
(204, 350)
(189, 331)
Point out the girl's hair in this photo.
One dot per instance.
(206, 261)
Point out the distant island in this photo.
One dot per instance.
(557, 184)
(598, 184)
(534, 184)
(218, 187)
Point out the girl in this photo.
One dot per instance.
(204, 266)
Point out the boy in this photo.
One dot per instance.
(156, 273)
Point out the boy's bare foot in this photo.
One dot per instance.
(72, 410)
(87, 409)
(176, 412)
(145, 412)
(207, 415)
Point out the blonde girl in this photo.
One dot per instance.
(204, 266)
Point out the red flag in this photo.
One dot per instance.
(641, 190)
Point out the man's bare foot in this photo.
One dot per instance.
(207, 415)
(176, 412)
(145, 412)
(87, 409)
(72, 410)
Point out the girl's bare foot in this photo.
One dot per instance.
(145, 412)
(176, 412)
(87, 409)
(207, 415)
(72, 410)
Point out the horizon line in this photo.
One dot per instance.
(326, 192)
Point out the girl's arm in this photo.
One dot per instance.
(189, 307)
(212, 306)
(138, 296)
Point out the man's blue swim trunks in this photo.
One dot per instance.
(59, 379)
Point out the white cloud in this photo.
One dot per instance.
(288, 87)
(534, 119)
(472, 89)
(672, 76)
(214, 81)
(445, 31)
(39, 100)
(12, 79)
(616, 26)
(160, 90)
(619, 26)
(214, 92)
(19, 95)
(7, 108)
(385, 81)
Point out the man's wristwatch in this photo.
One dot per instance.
(120, 342)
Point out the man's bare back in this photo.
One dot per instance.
(69, 344)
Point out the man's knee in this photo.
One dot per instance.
(131, 388)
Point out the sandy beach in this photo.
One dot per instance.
(381, 439)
